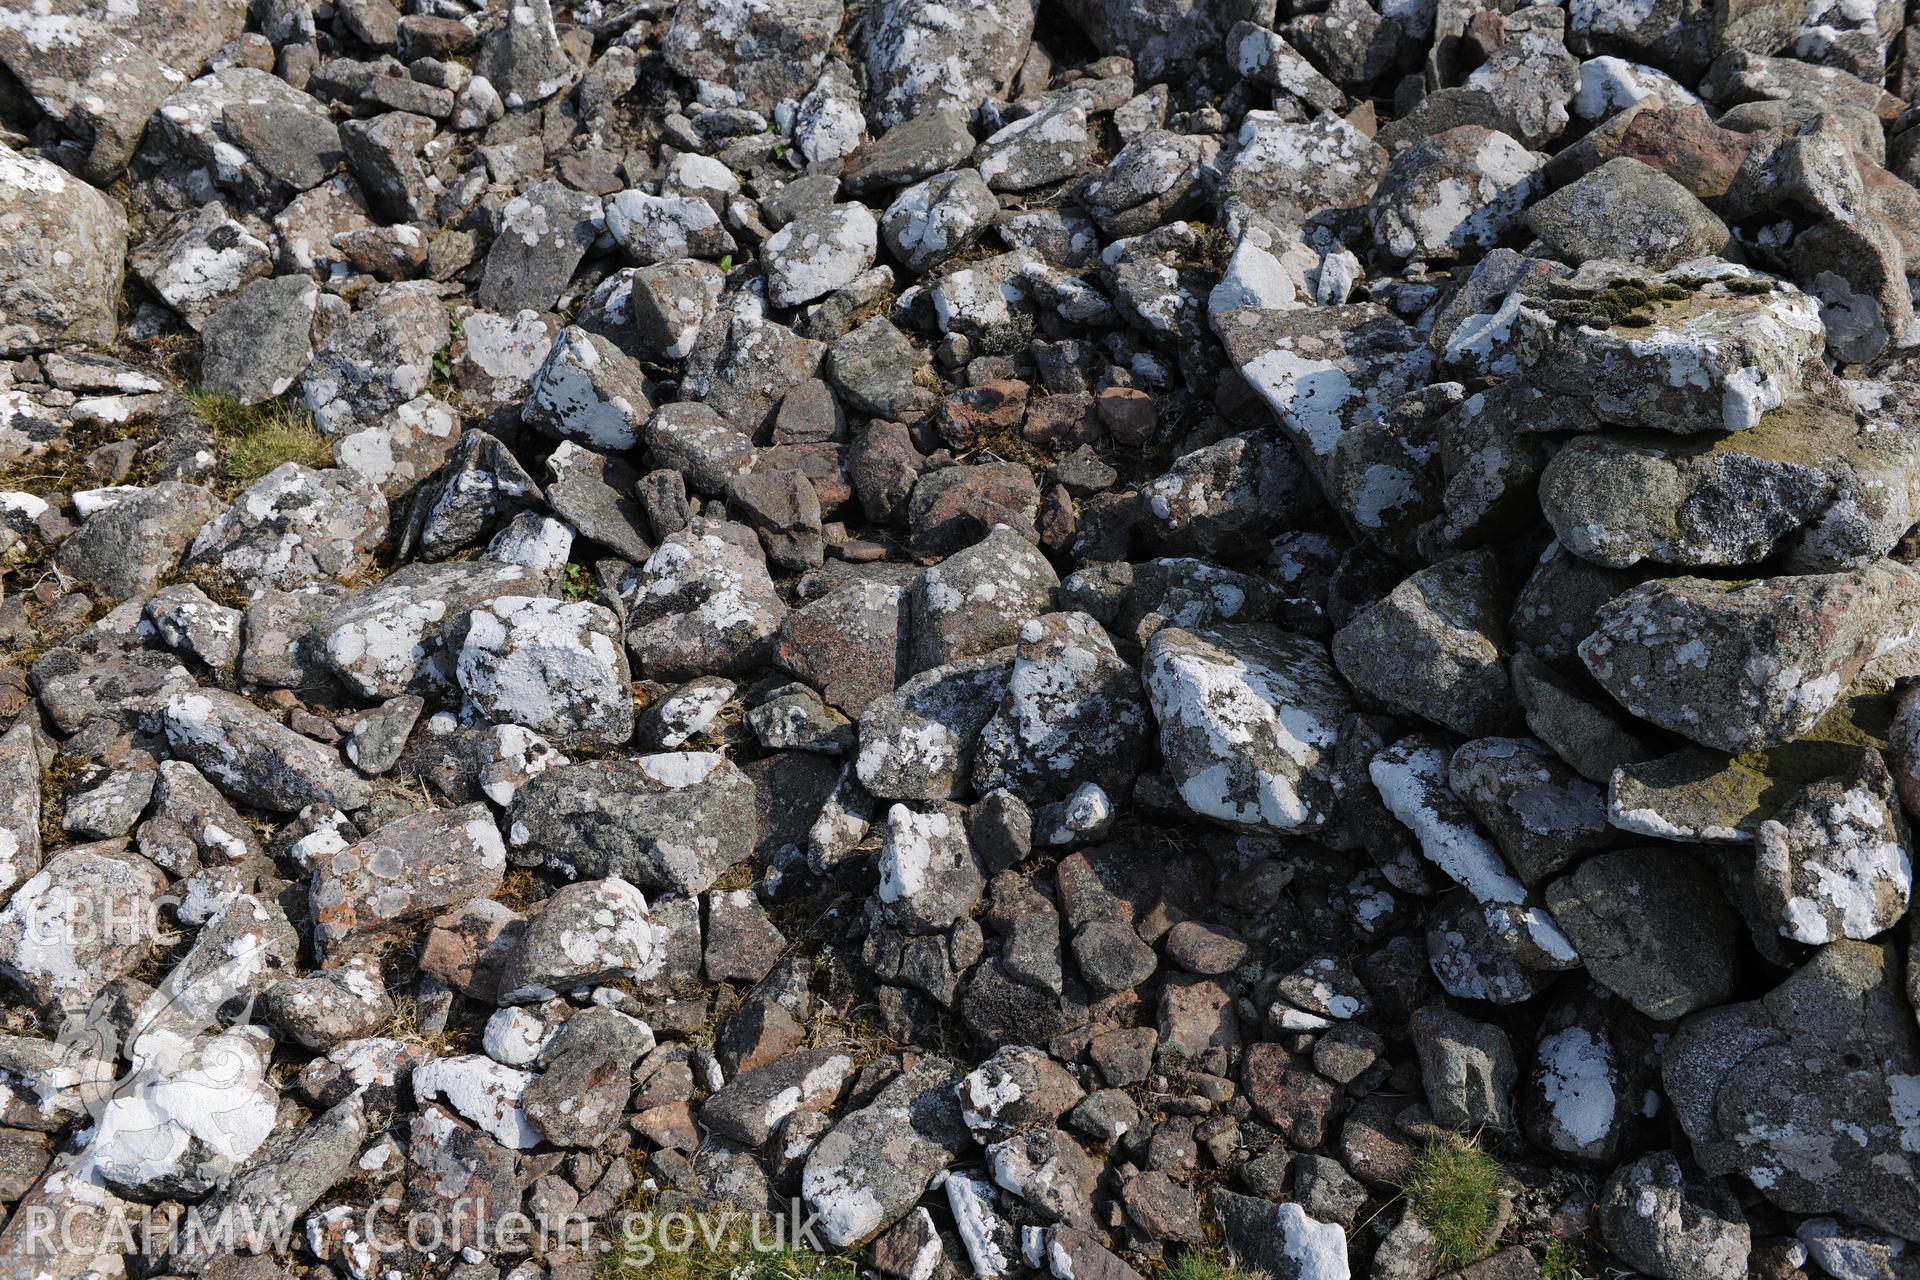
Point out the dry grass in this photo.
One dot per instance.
(253, 439)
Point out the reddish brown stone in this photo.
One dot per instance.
(1688, 147)
(1057, 521)
(1289, 1094)
(967, 417)
(1128, 414)
(1062, 421)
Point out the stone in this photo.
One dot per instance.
(585, 934)
(673, 821)
(1433, 647)
(1452, 194)
(1738, 667)
(101, 902)
(557, 669)
(867, 1171)
(125, 548)
(921, 60)
(1670, 1224)
(767, 56)
(818, 253)
(588, 390)
(1468, 1069)
(410, 869)
(1248, 716)
(703, 604)
(1626, 211)
(259, 340)
(388, 638)
(295, 527)
(254, 758)
(1652, 926)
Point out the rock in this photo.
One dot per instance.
(851, 644)
(934, 220)
(557, 669)
(1468, 1069)
(867, 1171)
(1542, 814)
(818, 253)
(125, 548)
(920, 59)
(588, 390)
(1074, 715)
(751, 1106)
(257, 341)
(784, 507)
(917, 742)
(1652, 926)
(386, 639)
(1738, 667)
(1048, 146)
(1452, 194)
(294, 528)
(665, 229)
(1626, 211)
(586, 934)
(60, 272)
(255, 759)
(1808, 481)
(1002, 569)
(410, 869)
(1834, 861)
(1742, 1089)
(1280, 1239)
(929, 875)
(482, 1091)
(673, 821)
(380, 359)
(1670, 1224)
(1449, 619)
(703, 604)
(1692, 355)
(102, 903)
(765, 55)
(1248, 715)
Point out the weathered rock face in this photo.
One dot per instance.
(60, 270)
(1737, 667)
(1751, 1086)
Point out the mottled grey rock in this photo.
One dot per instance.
(923, 57)
(392, 636)
(542, 236)
(1670, 1223)
(256, 342)
(295, 527)
(254, 758)
(674, 821)
(1626, 211)
(766, 55)
(124, 549)
(1468, 1069)
(1433, 647)
(869, 1169)
(1742, 666)
(411, 869)
(101, 902)
(703, 604)
(1248, 716)
(1453, 194)
(1652, 926)
(559, 669)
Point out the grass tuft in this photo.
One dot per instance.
(713, 1243)
(253, 439)
(1562, 1260)
(1454, 1189)
(1205, 1264)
